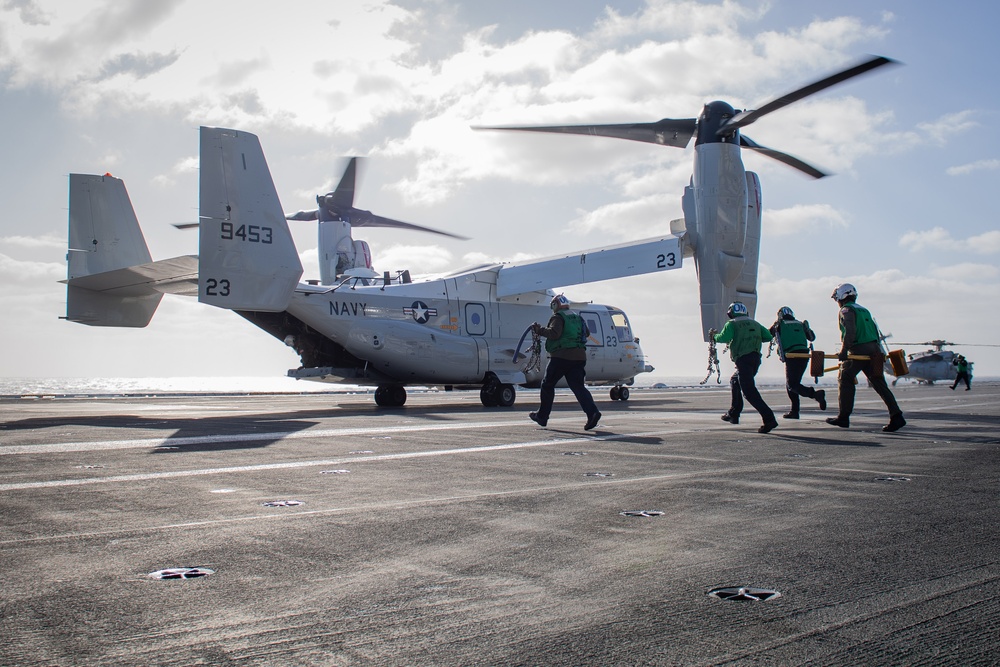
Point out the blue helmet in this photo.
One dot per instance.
(786, 313)
(737, 309)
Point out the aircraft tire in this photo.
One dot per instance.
(505, 395)
(623, 394)
(615, 393)
(397, 395)
(489, 398)
(390, 395)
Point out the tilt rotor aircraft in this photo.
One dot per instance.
(464, 329)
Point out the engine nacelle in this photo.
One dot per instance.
(726, 223)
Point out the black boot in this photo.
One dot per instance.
(896, 422)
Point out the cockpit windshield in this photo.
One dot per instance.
(622, 329)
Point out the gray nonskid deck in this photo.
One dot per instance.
(449, 533)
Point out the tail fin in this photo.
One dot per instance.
(247, 259)
(104, 236)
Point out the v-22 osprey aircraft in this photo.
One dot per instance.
(351, 326)
(463, 329)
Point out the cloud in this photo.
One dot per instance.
(44, 241)
(803, 218)
(418, 260)
(139, 65)
(978, 165)
(944, 128)
(28, 11)
(939, 238)
(17, 271)
(967, 272)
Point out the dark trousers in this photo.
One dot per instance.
(963, 377)
(575, 374)
(743, 383)
(794, 369)
(874, 370)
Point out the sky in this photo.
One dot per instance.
(909, 215)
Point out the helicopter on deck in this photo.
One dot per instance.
(935, 364)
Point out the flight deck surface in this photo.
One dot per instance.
(328, 531)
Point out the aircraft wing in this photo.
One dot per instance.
(628, 259)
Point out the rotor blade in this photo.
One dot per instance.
(745, 118)
(343, 196)
(359, 218)
(303, 215)
(791, 161)
(675, 132)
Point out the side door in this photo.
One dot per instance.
(595, 343)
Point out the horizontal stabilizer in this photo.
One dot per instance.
(111, 280)
(109, 310)
(167, 276)
(128, 297)
(247, 257)
(628, 259)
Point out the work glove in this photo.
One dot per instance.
(712, 332)
(535, 326)
(842, 356)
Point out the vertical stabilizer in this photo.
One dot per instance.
(104, 233)
(247, 259)
(104, 236)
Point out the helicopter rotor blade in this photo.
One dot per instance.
(676, 132)
(746, 117)
(359, 218)
(790, 160)
(339, 205)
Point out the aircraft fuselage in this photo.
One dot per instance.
(445, 331)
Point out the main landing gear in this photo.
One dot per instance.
(390, 395)
(619, 393)
(494, 394)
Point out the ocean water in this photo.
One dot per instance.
(71, 386)
(15, 386)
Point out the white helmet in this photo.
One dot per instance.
(844, 292)
(558, 302)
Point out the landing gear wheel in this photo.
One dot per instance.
(390, 395)
(488, 397)
(619, 393)
(495, 394)
(505, 395)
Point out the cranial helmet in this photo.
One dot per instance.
(737, 309)
(558, 303)
(844, 292)
(786, 313)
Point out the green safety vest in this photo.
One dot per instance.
(571, 334)
(865, 329)
(743, 336)
(792, 336)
